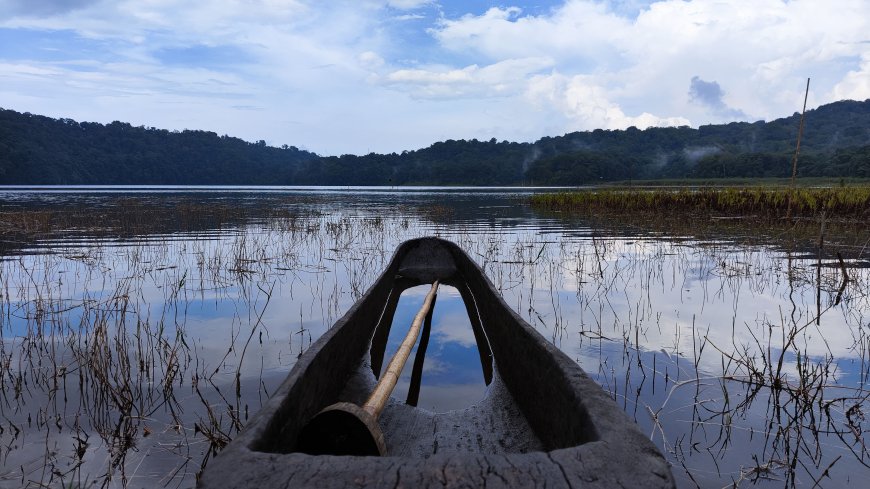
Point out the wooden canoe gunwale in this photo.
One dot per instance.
(588, 440)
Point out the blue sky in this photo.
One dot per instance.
(358, 76)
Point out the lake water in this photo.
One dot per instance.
(141, 327)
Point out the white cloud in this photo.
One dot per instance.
(41, 8)
(348, 76)
(455, 328)
(432, 365)
(759, 51)
(855, 85)
(505, 78)
(586, 105)
(25, 71)
(408, 17)
(579, 32)
(180, 21)
(409, 4)
(371, 60)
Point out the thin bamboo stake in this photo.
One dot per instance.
(797, 150)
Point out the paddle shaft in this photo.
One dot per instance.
(378, 398)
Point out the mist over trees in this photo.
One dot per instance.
(41, 150)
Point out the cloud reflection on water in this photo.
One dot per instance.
(242, 302)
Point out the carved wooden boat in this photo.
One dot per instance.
(542, 422)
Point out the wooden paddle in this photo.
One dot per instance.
(347, 429)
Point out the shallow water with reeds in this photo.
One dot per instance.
(142, 327)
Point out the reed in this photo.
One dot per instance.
(852, 203)
(114, 352)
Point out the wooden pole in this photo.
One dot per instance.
(347, 429)
(378, 398)
(797, 150)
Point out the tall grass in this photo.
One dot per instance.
(838, 202)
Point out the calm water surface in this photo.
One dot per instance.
(135, 344)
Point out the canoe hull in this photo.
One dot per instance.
(574, 435)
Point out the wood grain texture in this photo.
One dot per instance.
(542, 423)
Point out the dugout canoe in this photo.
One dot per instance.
(542, 423)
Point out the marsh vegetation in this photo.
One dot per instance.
(140, 332)
(850, 203)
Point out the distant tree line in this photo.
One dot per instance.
(40, 150)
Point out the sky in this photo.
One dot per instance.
(360, 76)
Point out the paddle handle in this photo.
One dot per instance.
(378, 399)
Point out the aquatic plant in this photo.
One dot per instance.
(835, 203)
(131, 359)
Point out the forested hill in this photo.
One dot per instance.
(40, 150)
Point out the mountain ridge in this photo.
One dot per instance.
(37, 149)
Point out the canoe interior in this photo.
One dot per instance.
(527, 407)
(543, 422)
